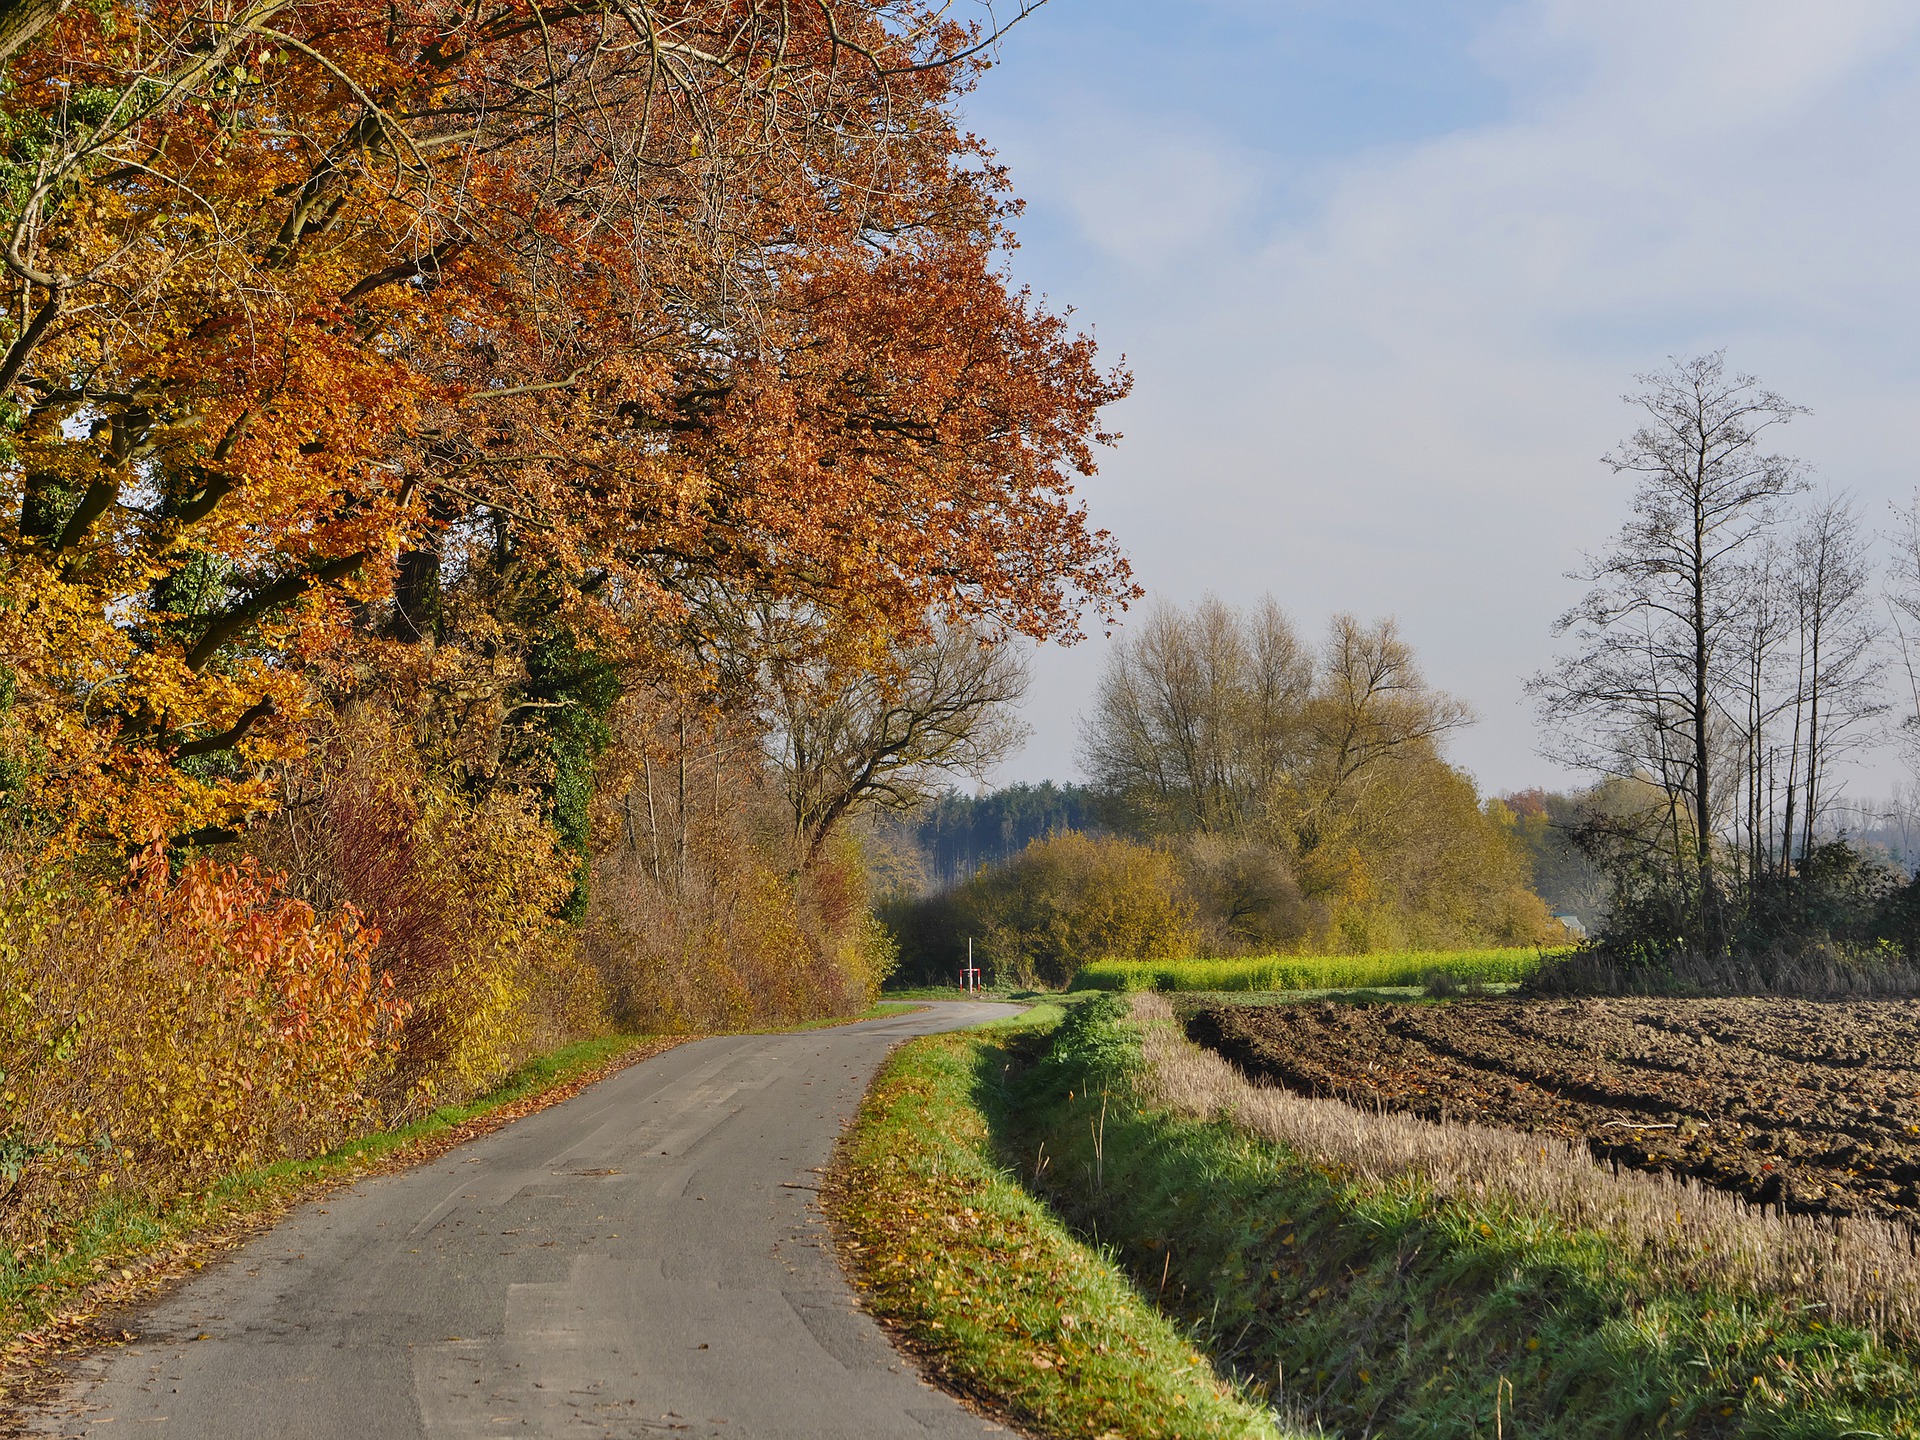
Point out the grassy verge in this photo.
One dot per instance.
(1311, 972)
(126, 1248)
(978, 1277)
(1388, 1311)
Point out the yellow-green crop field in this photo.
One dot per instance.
(1312, 972)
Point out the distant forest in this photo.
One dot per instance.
(950, 837)
(953, 835)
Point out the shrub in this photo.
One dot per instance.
(465, 884)
(159, 1035)
(1246, 895)
(728, 947)
(1808, 971)
(702, 915)
(1072, 898)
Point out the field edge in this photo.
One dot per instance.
(1388, 1309)
(1000, 1302)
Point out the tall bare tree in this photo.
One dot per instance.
(1761, 643)
(1837, 688)
(1655, 685)
(1200, 715)
(1903, 604)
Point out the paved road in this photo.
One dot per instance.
(646, 1258)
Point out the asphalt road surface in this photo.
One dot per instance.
(647, 1258)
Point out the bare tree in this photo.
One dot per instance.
(1838, 687)
(1903, 606)
(1761, 639)
(885, 735)
(1370, 704)
(1199, 716)
(1222, 722)
(1656, 683)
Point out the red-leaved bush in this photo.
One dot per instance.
(157, 1035)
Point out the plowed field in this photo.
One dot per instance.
(1810, 1105)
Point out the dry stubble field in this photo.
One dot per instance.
(1813, 1105)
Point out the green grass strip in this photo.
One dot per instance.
(1390, 1312)
(1311, 972)
(123, 1231)
(980, 1277)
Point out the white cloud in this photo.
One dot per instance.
(1142, 194)
(1398, 400)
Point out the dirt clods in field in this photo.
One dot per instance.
(1811, 1105)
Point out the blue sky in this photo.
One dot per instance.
(1383, 269)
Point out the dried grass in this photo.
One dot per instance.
(1681, 1234)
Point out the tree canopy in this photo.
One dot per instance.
(615, 318)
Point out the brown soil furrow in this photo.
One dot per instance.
(1813, 1105)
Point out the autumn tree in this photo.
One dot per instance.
(1304, 792)
(321, 311)
(1369, 706)
(887, 735)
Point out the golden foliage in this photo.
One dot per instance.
(702, 916)
(157, 1037)
(1073, 898)
(464, 885)
(300, 299)
(1313, 805)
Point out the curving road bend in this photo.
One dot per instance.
(644, 1259)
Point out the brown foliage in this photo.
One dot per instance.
(702, 917)
(649, 302)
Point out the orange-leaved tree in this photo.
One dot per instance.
(628, 310)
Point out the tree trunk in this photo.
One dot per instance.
(680, 857)
(1702, 716)
(653, 818)
(21, 20)
(1813, 740)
